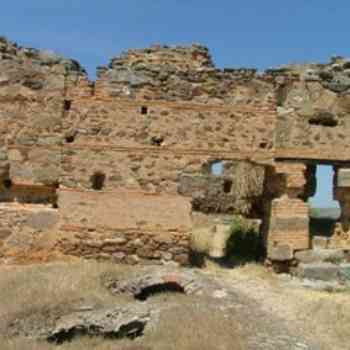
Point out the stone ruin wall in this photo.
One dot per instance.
(120, 168)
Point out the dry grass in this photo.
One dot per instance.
(248, 271)
(33, 292)
(196, 325)
(323, 315)
(186, 322)
(328, 315)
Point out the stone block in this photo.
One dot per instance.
(320, 242)
(3, 155)
(289, 224)
(15, 155)
(43, 220)
(343, 178)
(217, 247)
(283, 252)
(5, 233)
(318, 271)
(320, 255)
(46, 175)
(345, 272)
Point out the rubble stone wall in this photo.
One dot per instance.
(124, 163)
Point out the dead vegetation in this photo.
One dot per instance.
(43, 293)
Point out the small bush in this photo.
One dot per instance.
(244, 242)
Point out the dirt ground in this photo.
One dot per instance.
(239, 309)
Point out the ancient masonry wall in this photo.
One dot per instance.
(116, 169)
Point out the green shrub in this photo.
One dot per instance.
(244, 242)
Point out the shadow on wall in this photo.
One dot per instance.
(322, 227)
(243, 244)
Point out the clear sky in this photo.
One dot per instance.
(324, 191)
(250, 33)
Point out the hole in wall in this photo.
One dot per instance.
(98, 181)
(263, 145)
(70, 138)
(157, 140)
(147, 292)
(227, 186)
(326, 119)
(324, 210)
(144, 110)
(7, 183)
(67, 105)
(217, 168)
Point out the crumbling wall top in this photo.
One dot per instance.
(36, 70)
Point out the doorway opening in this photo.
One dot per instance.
(98, 181)
(324, 209)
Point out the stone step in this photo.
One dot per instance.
(320, 255)
(318, 271)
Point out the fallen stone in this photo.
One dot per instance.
(117, 322)
(318, 271)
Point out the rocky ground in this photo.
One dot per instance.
(86, 305)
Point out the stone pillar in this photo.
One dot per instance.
(341, 236)
(288, 226)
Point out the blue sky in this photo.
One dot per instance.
(324, 190)
(251, 33)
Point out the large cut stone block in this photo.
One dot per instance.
(280, 253)
(289, 224)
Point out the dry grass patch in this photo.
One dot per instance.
(40, 290)
(248, 271)
(196, 324)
